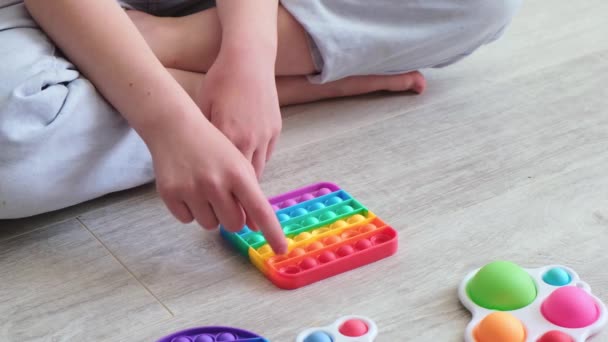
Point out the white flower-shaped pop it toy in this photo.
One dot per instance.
(345, 329)
(513, 304)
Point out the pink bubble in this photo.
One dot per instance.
(570, 307)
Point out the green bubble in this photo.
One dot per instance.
(503, 286)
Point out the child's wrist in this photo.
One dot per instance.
(259, 54)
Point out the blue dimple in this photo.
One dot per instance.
(318, 336)
(298, 212)
(283, 217)
(333, 200)
(557, 276)
(316, 206)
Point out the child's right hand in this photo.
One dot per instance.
(201, 175)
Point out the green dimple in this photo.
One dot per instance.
(503, 286)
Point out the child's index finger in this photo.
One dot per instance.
(260, 212)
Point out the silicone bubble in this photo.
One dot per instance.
(353, 328)
(338, 224)
(380, 238)
(181, 339)
(310, 221)
(320, 231)
(500, 327)
(345, 250)
(555, 336)
(333, 200)
(326, 257)
(570, 307)
(322, 192)
(265, 249)
(330, 240)
(349, 234)
(226, 337)
(291, 227)
(302, 236)
(306, 197)
(328, 215)
(283, 217)
(290, 269)
(289, 203)
(345, 209)
(296, 252)
(502, 285)
(315, 206)
(308, 263)
(356, 219)
(255, 238)
(314, 246)
(367, 228)
(363, 244)
(557, 276)
(318, 336)
(204, 338)
(275, 207)
(298, 212)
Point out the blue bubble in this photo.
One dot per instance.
(333, 200)
(557, 276)
(318, 336)
(283, 217)
(316, 206)
(298, 212)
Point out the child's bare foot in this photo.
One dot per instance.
(295, 90)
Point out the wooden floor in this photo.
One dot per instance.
(505, 157)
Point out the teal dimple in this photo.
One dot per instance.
(557, 276)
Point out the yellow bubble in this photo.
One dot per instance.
(302, 236)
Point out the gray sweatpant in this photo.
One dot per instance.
(61, 143)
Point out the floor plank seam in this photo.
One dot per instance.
(125, 267)
(44, 226)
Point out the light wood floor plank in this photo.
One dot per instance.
(60, 284)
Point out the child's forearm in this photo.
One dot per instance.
(98, 37)
(249, 30)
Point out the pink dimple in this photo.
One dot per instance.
(555, 336)
(306, 197)
(353, 328)
(570, 307)
(322, 191)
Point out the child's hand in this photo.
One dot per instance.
(201, 175)
(240, 98)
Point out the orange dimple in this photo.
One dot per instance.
(330, 240)
(296, 252)
(367, 228)
(500, 327)
(314, 246)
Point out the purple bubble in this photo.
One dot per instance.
(204, 338)
(226, 337)
(181, 339)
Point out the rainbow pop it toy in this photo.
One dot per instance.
(345, 329)
(328, 232)
(513, 304)
(213, 334)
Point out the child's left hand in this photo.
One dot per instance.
(239, 96)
